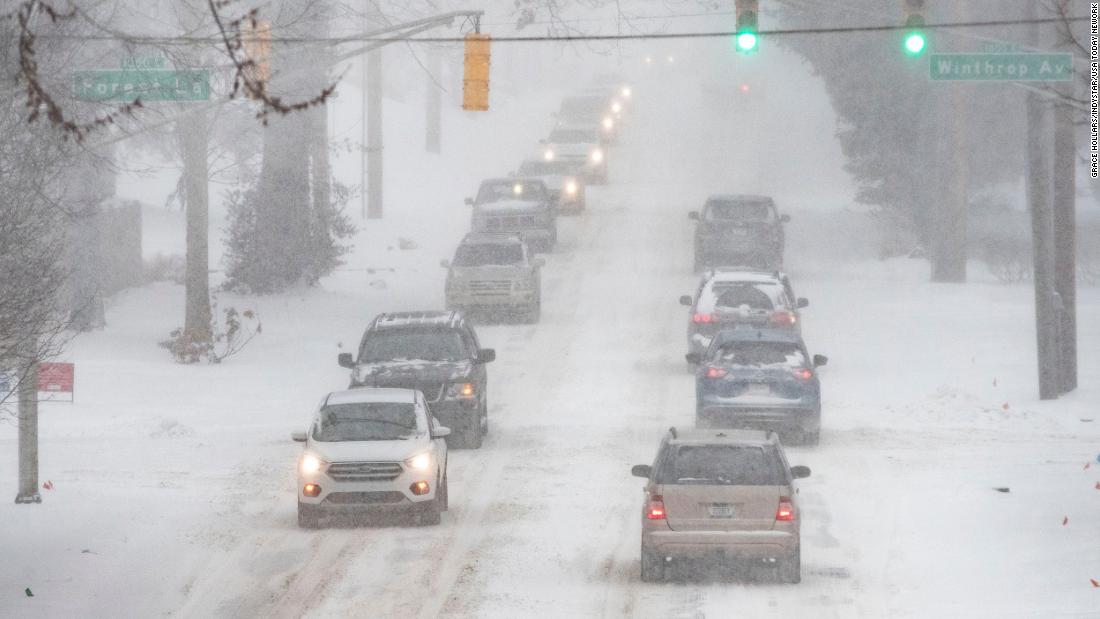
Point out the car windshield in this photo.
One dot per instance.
(582, 106)
(572, 136)
(546, 168)
(734, 465)
(412, 345)
(488, 254)
(738, 295)
(511, 190)
(366, 421)
(739, 211)
(758, 354)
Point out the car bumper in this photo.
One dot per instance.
(748, 545)
(357, 496)
(516, 300)
(795, 415)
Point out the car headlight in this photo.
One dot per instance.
(548, 155)
(597, 156)
(461, 390)
(626, 92)
(616, 107)
(419, 462)
(608, 123)
(310, 464)
(571, 187)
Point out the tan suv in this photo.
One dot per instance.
(721, 496)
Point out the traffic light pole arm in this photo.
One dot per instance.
(401, 31)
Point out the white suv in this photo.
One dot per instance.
(373, 450)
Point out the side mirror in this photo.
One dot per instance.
(539, 262)
(802, 302)
(446, 264)
(685, 301)
(486, 355)
(441, 432)
(820, 360)
(694, 358)
(784, 218)
(694, 215)
(298, 437)
(800, 472)
(345, 360)
(641, 470)
(470, 201)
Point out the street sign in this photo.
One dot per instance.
(147, 84)
(55, 380)
(1001, 67)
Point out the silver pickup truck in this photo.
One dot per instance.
(519, 205)
(494, 274)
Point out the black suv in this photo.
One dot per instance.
(740, 230)
(436, 353)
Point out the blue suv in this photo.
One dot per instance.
(759, 379)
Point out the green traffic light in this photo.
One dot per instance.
(915, 43)
(746, 41)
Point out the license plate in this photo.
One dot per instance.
(721, 511)
(758, 389)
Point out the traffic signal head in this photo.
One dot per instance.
(747, 37)
(914, 42)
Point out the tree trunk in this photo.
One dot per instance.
(1065, 241)
(375, 151)
(28, 434)
(193, 132)
(433, 123)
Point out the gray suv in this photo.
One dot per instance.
(494, 273)
(519, 205)
(739, 230)
(721, 496)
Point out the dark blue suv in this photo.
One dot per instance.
(759, 379)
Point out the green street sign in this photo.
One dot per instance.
(1001, 67)
(146, 84)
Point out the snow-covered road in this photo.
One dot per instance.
(179, 481)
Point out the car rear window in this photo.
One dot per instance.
(742, 294)
(760, 354)
(366, 421)
(734, 465)
(739, 211)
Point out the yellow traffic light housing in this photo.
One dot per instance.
(475, 82)
(256, 43)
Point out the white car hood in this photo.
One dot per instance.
(368, 451)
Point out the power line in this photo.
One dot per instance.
(582, 37)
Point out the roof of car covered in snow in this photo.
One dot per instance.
(494, 238)
(394, 320)
(733, 275)
(739, 197)
(371, 394)
(723, 435)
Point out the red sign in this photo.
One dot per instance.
(55, 377)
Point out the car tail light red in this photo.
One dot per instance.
(803, 373)
(655, 508)
(785, 512)
(702, 319)
(713, 372)
(783, 318)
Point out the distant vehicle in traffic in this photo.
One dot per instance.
(371, 451)
(436, 353)
(596, 111)
(759, 379)
(729, 296)
(564, 182)
(495, 274)
(578, 145)
(725, 496)
(739, 230)
(520, 205)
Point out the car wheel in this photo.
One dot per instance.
(790, 569)
(484, 418)
(471, 437)
(533, 314)
(432, 514)
(653, 569)
(698, 264)
(309, 516)
(445, 492)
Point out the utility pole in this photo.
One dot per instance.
(374, 187)
(433, 122)
(28, 432)
(1065, 235)
(949, 247)
(1039, 189)
(193, 135)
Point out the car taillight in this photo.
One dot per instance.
(783, 319)
(713, 372)
(785, 512)
(655, 508)
(702, 319)
(804, 373)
